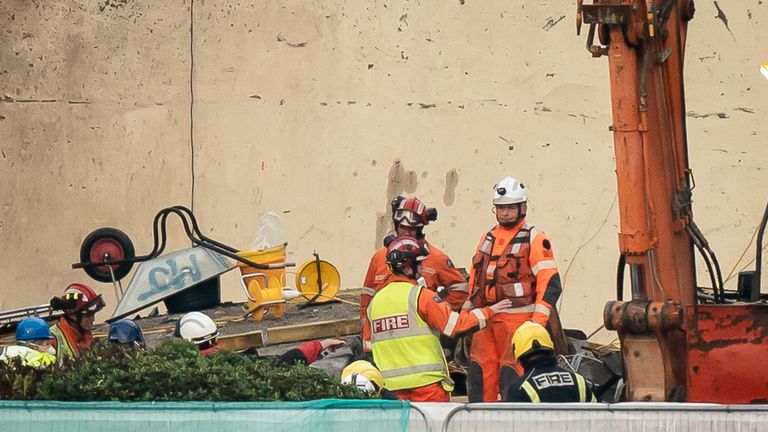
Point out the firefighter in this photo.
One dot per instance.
(366, 377)
(409, 216)
(405, 321)
(199, 328)
(126, 332)
(73, 331)
(513, 261)
(33, 344)
(544, 380)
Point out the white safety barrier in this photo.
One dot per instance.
(582, 417)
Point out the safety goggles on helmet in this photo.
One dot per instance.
(411, 212)
(408, 218)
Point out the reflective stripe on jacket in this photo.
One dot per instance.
(29, 356)
(405, 348)
(550, 384)
(524, 264)
(507, 275)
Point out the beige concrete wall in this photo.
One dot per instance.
(323, 110)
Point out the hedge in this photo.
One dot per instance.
(173, 371)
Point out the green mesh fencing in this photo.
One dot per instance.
(314, 416)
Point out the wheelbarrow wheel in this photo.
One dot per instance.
(112, 243)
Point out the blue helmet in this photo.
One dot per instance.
(125, 331)
(33, 329)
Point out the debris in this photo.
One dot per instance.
(721, 16)
(696, 115)
(426, 106)
(552, 22)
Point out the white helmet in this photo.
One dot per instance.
(197, 328)
(509, 190)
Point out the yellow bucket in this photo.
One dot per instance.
(264, 286)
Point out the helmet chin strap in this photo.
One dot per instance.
(75, 321)
(513, 223)
(414, 273)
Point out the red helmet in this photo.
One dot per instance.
(411, 212)
(405, 252)
(78, 298)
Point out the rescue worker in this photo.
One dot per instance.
(33, 344)
(513, 261)
(544, 380)
(73, 331)
(126, 332)
(405, 322)
(363, 375)
(410, 216)
(199, 328)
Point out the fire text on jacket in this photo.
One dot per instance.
(397, 322)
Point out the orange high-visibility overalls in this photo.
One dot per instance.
(515, 263)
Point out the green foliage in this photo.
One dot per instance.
(18, 381)
(174, 371)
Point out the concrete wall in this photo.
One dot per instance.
(323, 110)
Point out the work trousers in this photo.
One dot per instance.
(492, 366)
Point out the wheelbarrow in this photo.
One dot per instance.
(108, 255)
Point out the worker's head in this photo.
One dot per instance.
(364, 376)
(34, 333)
(80, 304)
(531, 340)
(410, 215)
(404, 256)
(198, 328)
(126, 332)
(510, 201)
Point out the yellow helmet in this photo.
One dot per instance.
(363, 375)
(531, 337)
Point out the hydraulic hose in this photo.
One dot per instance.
(700, 248)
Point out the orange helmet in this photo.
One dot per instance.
(78, 298)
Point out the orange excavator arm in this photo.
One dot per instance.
(667, 327)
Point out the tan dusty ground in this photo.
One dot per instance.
(323, 110)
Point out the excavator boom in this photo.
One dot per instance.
(678, 342)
